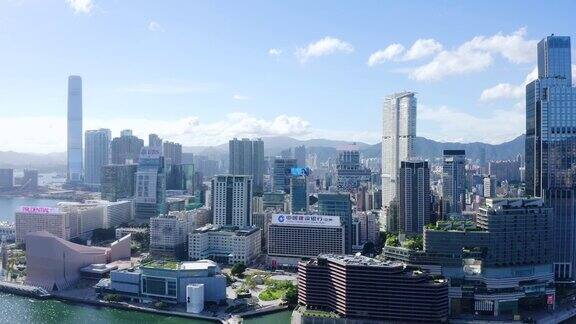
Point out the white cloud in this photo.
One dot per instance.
(47, 134)
(450, 125)
(154, 26)
(422, 48)
(477, 55)
(275, 52)
(387, 54)
(165, 88)
(240, 97)
(461, 61)
(81, 6)
(325, 46)
(502, 91)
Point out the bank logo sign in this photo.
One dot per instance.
(307, 220)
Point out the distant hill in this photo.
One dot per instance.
(430, 149)
(324, 148)
(425, 148)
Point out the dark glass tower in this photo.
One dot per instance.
(551, 146)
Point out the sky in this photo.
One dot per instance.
(202, 72)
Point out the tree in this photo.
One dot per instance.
(291, 295)
(368, 248)
(238, 269)
(392, 240)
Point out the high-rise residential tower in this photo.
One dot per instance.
(154, 141)
(97, 154)
(246, 157)
(453, 181)
(232, 200)
(126, 148)
(413, 197)
(399, 134)
(173, 153)
(75, 166)
(551, 146)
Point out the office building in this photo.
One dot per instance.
(118, 181)
(298, 194)
(338, 204)
(74, 125)
(498, 263)
(154, 141)
(55, 264)
(168, 281)
(350, 173)
(247, 158)
(274, 201)
(490, 186)
(232, 200)
(366, 229)
(413, 197)
(292, 237)
(150, 195)
(281, 173)
(29, 180)
(505, 170)
(361, 288)
(6, 179)
(453, 181)
(173, 153)
(168, 235)
(551, 146)
(97, 154)
(223, 245)
(300, 156)
(399, 134)
(126, 148)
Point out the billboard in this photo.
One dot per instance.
(306, 220)
(38, 210)
(300, 172)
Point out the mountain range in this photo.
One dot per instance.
(323, 148)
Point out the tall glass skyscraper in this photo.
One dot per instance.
(97, 154)
(453, 181)
(398, 136)
(74, 152)
(551, 146)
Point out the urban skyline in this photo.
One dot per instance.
(210, 110)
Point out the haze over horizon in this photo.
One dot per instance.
(202, 73)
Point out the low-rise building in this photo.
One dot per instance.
(225, 245)
(7, 231)
(168, 281)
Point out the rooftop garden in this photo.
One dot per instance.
(162, 264)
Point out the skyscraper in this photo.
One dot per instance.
(126, 148)
(74, 174)
(300, 156)
(413, 197)
(551, 146)
(173, 153)
(299, 194)
(281, 174)
(246, 157)
(154, 141)
(453, 181)
(399, 133)
(150, 196)
(97, 154)
(349, 172)
(232, 200)
(338, 204)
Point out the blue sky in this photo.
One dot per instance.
(200, 72)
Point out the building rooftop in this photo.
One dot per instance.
(186, 265)
(360, 260)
